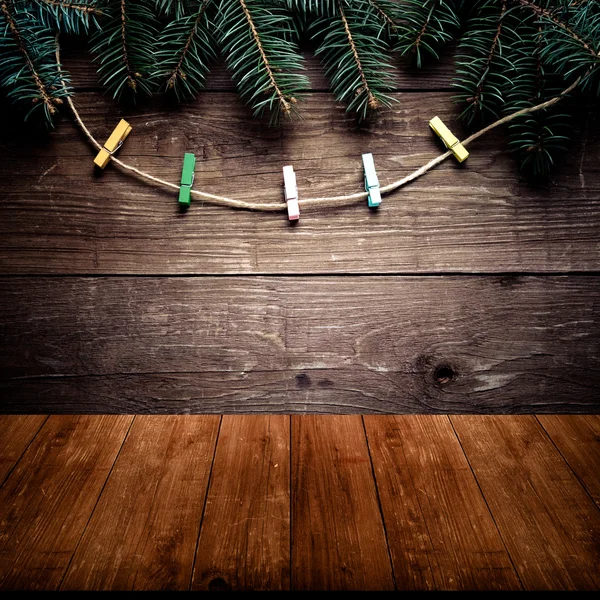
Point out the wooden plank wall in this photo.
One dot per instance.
(467, 291)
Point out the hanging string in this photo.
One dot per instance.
(326, 201)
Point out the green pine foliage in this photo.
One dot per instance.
(175, 8)
(424, 28)
(354, 48)
(515, 54)
(571, 39)
(486, 61)
(28, 69)
(509, 55)
(258, 39)
(184, 51)
(124, 47)
(77, 17)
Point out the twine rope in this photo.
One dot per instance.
(326, 201)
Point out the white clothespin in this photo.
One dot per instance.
(291, 193)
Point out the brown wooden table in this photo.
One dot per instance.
(137, 340)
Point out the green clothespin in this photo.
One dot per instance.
(187, 179)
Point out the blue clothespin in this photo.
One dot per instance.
(371, 181)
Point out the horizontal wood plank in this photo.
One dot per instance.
(48, 499)
(60, 216)
(296, 344)
(144, 531)
(245, 541)
(547, 520)
(439, 529)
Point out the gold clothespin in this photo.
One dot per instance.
(114, 142)
(450, 141)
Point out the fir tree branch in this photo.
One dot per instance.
(44, 93)
(131, 78)
(373, 103)
(548, 14)
(124, 47)
(355, 52)
(177, 7)
(258, 40)
(178, 71)
(386, 15)
(486, 59)
(538, 139)
(66, 15)
(284, 102)
(27, 66)
(84, 9)
(475, 100)
(425, 26)
(184, 49)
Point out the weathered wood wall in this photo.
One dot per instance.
(467, 291)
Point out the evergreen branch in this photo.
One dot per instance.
(536, 139)
(66, 15)
(28, 69)
(425, 26)
(572, 39)
(284, 103)
(548, 14)
(315, 8)
(355, 55)
(184, 49)
(259, 48)
(372, 102)
(179, 8)
(124, 47)
(486, 59)
(476, 99)
(387, 13)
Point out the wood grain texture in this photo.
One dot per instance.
(245, 537)
(577, 438)
(439, 529)
(338, 539)
(49, 496)
(58, 215)
(16, 433)
(327, 344)
(144, 531)
(549, 523)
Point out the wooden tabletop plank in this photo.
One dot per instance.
(245, 537)
(49, 496)
(439, 528)
(338, 539)
(59, 216)
(547, 520)
(577, 438)
(16, 433)
(300, 344)
(144, 531)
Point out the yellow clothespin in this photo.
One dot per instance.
(114, 142)
(450, 141)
